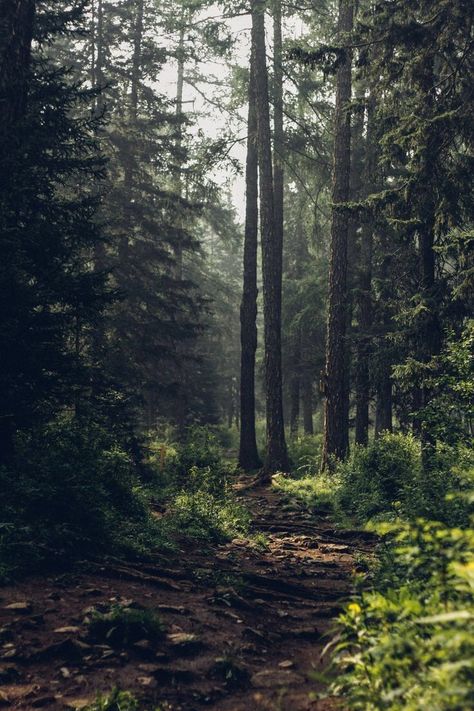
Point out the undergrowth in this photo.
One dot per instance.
(404, 642)
(407, 644)
(72, 492)
(123, 626)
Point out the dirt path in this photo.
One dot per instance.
(243, 628)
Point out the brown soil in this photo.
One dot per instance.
(244, 629)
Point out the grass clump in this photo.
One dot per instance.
(305, 453)
(122, 701)
(204, 516)
(386, 481)
(315, 492)
(116, 701)
(379, 478)
(123, 626)
(200, 503)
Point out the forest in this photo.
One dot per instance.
(236, 355)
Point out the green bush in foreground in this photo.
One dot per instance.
(409, 645)
(116, 701)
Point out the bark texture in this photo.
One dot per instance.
(336, 426)
(276, 455)
(364, 293)
(248, 453)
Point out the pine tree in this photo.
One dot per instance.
(47, 230)
(421, 75)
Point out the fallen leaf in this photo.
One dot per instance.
(77, 704)
(21, 607)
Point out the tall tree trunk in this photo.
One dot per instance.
(179, 111)
(355, 192)
(364, 295)
(336, 425)
(17, 19)
(298, 256)
(278, 133)
(276, 454)
(248, 453)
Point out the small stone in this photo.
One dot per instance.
(184, 642)
(23, 608)
(181, 638)
(77, 704)
(93, 592)
(286, 664)
(240, 542)
(146, 681)
(9, 653)
(143, 644)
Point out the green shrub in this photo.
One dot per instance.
(315, 492)
(122, 701)
(199, 500)
(228, 438)
(116, 701)
(193, 464)
(200, 449)
(305, 454)
(123, 626)
(408, 645)
(202, 515)
(379, 478)
(70, 491)
(442, 492)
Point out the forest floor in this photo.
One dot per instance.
(244, 626)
